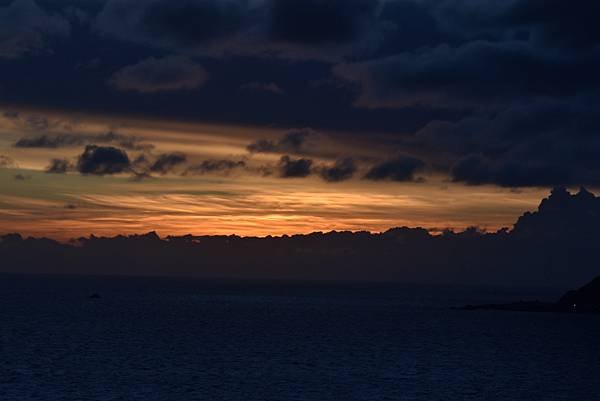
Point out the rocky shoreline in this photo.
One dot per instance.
(584, 300)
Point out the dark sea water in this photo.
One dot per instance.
(176, 339)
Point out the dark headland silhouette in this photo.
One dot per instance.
(555, 246)
(584, 300)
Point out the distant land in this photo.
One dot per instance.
(556, 246)
(583, 300)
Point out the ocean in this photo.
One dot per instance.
(192, 339)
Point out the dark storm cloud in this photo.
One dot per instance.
(159, 74)
(477, 73)
(448, 81)
(59, 166)
(539, 144)
(215, 166)
(556, 22)
(332, 28)
(316, 22)
(169, 24)
(487, 51)
(285, 28)
(190, 22)
(477, 170)
(342, 170)
(289, 167)
(318, 29)
(103, 160)
(407, 26)
(66, 140)
(294, 141)
(166, 162)
(401, 169)
(25, 28)
(269, 87)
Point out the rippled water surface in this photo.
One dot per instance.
(174, 339)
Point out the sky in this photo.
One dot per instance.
(272, 117)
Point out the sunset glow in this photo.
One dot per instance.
(244, 202)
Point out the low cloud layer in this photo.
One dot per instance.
(215, 166)
(562, 223)
(59, 166)
(342, 170)
(103, 160)
(289, 167)
(401, 169)
(167, 162)
(65, 140)
(294, 141)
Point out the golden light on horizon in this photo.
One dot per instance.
(244, 202)
(236, 207)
